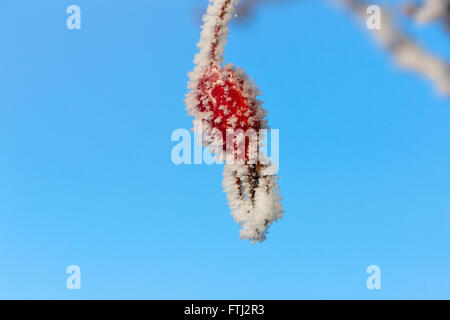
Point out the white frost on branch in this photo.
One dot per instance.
(430, 11)
(406, 52)
(253, 196)
(214, 33)
(212, 42)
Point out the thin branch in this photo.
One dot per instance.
(406, 52)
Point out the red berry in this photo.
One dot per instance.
(222, 92)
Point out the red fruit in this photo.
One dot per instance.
(225, 94)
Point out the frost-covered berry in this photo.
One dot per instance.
(229, 100)
(224, 99)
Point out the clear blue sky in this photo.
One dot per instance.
(86, 176)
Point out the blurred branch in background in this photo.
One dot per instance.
(430, 11)
(406, 51)
(246, 8)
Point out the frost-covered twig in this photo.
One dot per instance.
(406, 52)
(253, 196)
(430, 11)
(224, 100)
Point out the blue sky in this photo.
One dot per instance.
(86, 176)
